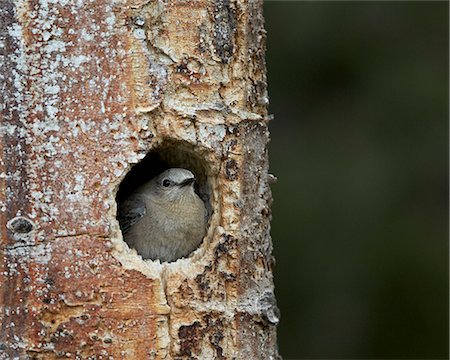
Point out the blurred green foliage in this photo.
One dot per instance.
(359, 91)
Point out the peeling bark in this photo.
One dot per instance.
(88, 89)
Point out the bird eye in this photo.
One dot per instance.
(166, 183)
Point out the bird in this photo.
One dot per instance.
(164, 218)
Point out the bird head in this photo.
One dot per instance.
(173, 183)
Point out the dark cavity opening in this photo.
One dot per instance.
(165, 156)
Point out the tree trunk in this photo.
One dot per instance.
(88, 89)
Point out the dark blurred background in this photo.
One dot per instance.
(359, 91)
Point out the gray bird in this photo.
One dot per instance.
(164, 218)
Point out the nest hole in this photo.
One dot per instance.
(167, 155)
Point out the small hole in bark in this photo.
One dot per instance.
(20, 225)
(137, 200)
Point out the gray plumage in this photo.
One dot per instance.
(164, 219)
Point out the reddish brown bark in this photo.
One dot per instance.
(88, 89)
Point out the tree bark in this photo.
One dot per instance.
(88, 89)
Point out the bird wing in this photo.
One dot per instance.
(131, 211)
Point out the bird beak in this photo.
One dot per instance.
(187, 182)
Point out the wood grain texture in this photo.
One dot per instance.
(88, 89)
